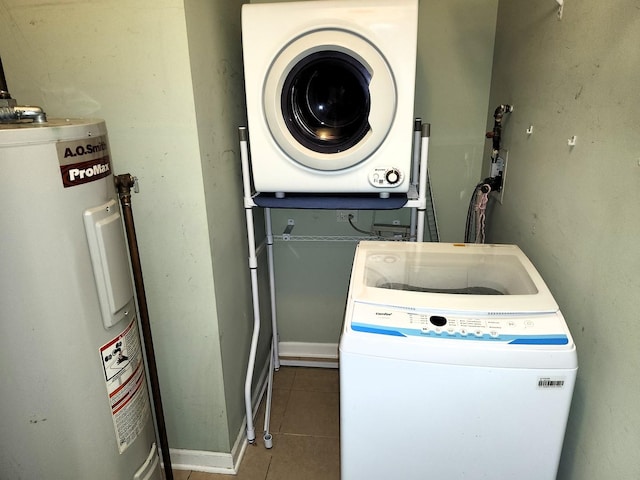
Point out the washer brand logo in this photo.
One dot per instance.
(83, 162)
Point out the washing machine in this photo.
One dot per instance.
(455, 363)
(330, 91)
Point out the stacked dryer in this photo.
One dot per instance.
(330, 90)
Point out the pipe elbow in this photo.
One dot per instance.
(34, 114)
(13, 114)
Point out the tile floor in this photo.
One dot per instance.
(305, 426)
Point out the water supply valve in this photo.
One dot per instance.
(498, 161)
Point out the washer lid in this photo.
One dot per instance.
(329, 99)
(488, 279)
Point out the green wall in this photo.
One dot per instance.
(574, 211)
(213, 30)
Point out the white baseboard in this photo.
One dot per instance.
(219, 462)
(308, 350)
(202, 461)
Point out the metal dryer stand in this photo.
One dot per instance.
(419, 199)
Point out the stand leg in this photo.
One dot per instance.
(268, 438)
(274, 360)
(253, 268)
(415, 173)
(251, 432)
(422, 191)
(272, 288)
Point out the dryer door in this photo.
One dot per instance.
(329, 100)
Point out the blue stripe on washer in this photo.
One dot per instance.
(541, 340)
(551, 339)
(380, 331)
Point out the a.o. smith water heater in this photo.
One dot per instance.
(73, 398)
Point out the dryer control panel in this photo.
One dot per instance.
(513, 328)
(385, 177)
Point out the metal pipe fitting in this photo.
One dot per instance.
(14, 114)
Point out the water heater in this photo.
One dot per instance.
(74, 402)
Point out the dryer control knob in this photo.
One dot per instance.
(393, 176)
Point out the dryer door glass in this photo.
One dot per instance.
(329, 100)
(325, 102)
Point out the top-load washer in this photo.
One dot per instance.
(455, 363)
(330, 92)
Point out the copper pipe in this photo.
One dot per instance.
(123, 185)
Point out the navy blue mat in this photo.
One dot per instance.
(330, 201)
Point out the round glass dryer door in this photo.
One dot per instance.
(325, 102)
(329, 100)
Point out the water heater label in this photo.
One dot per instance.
(83, 161)
(126, 385)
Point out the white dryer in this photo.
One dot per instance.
(455, 363)
(330, 90)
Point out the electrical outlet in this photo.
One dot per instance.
(343, 215)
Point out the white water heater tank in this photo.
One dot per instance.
(74, 401)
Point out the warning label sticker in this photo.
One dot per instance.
(126, 385)
(83, 161)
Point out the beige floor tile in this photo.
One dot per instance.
(255, 462)
(283, 378)
(279, 403)
(207, 476)
(304, 458)
(305, 426)
(317, 379)
(211, 476)
(181, 474)
(312, 413)
(254, 466)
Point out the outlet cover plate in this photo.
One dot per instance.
(343, 215)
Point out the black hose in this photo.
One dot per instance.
(350, 219)
(469, 231)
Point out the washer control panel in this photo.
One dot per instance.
(385, 177)
(543, 328)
